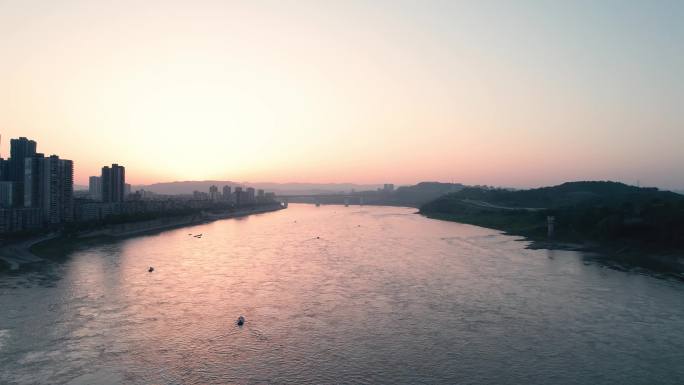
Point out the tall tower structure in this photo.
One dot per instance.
(113, 181)
(20, 149)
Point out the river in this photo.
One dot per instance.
(337, 294)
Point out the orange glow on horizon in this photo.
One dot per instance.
(293, 93)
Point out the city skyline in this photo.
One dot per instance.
(517, 95)
(37, 195)
(88, 181)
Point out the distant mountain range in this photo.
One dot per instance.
(187, 187)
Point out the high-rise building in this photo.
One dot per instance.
(61, 196)
(214, 193)
(49, 185)
(33, 171)
(20, 149)
(6, 191)
(95, 188)
(113, 182)
(239, 196)
(250, 195)
(226, 193)
(127, 190)
(4, 169)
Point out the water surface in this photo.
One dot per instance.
(337, 294)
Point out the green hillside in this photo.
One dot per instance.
(605, 212)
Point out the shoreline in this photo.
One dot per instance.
(15, 256)
(616, 255)
(138, 228)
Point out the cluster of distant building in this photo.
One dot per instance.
(109, 195)
(37, 192)
(237, 197)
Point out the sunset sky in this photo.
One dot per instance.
(507, 93)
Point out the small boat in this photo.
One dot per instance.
(241, 320)
(198, 236)
(151, 269)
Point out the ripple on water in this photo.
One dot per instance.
(383, 296)
(4, 336)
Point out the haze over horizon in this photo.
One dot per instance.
(521, 95)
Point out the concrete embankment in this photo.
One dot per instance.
(17, 254)
(13, 256)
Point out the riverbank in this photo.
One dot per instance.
(629, 225)
(52, 246)
(14, 255)
(623, 255)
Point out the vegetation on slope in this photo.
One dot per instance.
(605, 212)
